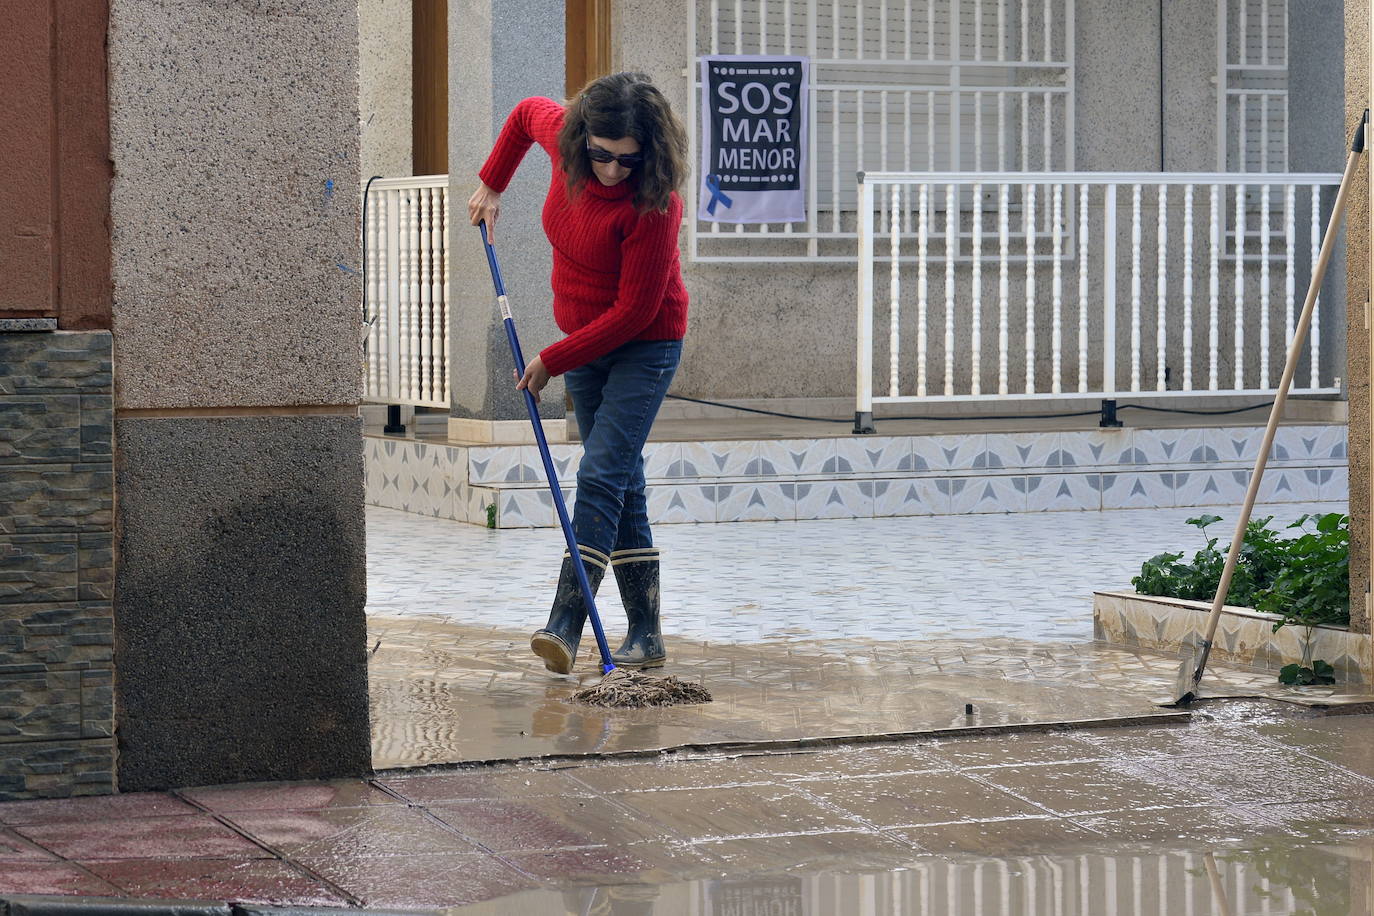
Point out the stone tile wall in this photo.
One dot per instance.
(56, 565)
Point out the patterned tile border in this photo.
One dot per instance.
(1244, 636)
(867, 477)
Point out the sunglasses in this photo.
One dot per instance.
(597, 154)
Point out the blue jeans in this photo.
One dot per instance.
(615, 399)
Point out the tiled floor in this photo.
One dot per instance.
(1026, 576)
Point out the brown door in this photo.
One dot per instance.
(429, 87)
(588, 30)
(55, 151)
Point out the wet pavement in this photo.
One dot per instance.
(837, 772)
(448, 694)
(992, 612)
(1247, 808)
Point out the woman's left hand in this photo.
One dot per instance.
(535, 378)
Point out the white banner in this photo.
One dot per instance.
(753, 139)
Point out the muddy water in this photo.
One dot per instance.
(445, 693)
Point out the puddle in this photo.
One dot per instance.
(1275, 877)
(444, 693)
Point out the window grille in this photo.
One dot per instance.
(901, 85)
(1252, 75)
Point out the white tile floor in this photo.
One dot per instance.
(1029, 576)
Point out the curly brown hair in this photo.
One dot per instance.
(626, 105)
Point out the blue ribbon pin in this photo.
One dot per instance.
(713, 185)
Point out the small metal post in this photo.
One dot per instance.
(394, 426)
(1109, 414)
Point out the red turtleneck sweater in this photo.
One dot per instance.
(616, 273)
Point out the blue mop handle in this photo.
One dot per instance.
(607, 666)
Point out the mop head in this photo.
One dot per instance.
(624, 689)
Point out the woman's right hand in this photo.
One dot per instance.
(485, 206)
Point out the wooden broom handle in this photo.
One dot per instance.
(1281, 398)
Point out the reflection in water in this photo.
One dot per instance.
(1219, 895)
(569, 727)
(623, 900)
(1312, 880)
(1275, 879)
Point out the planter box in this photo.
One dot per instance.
(1244, 636)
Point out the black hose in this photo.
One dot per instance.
(1037, 416)
(367, 319)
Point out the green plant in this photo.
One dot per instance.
(1301, 580)
(1299, 676)
(1313, 586)
(1165, 574)
(491, 515)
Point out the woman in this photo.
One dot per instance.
(612, 215)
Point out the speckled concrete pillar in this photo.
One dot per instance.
(1357, 283)
(384, 87)
(500, 51)
(239, 593)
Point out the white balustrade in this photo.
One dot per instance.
(1243, 234)
(1029, 292)
(1188, 287)
(922, 254)
(1314, 334)
(1238, 313)
(976, 333)
(1161, 290)
(1057, 299)
(1003, 284)
(1135, 288)
(1083, 290)
(951, 250)
(406, 339)
(895, 281)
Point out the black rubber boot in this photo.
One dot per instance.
(636, 572)
(557, 642)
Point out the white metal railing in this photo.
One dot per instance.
(895, 85)
(1101, 284)
(406, 284)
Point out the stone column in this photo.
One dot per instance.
(240, 638)
(1357, 292)
(385, 87)
(56, 525)
(500, 51)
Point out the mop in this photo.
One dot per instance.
(618, 688)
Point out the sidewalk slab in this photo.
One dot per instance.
(998, 813)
